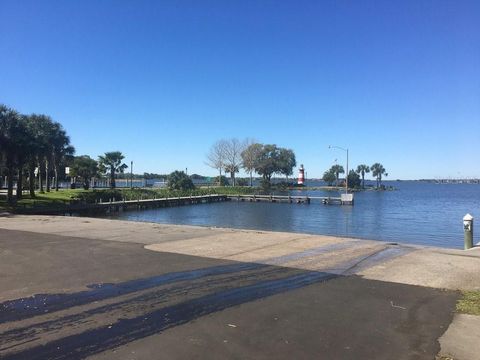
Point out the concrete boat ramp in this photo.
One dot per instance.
(74, 288)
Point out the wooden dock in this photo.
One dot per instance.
(76, 207)
(116, 206)
(327, 200)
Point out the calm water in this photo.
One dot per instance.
(418, 213)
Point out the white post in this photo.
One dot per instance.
(468, 230)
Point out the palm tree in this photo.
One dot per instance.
(61, 149)
(13, 137)
(111, 162)
(25, 142)
(377, 171)
(52, 136)
(32, 153)
(232, 169)
(44, 130)
(362, 169)
(8, 123)
(337, 170)
(329, 177)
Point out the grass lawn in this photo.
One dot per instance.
(46, 199)
(65, 196)
(469, 303)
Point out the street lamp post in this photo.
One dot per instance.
(346, 176)
(131, 174)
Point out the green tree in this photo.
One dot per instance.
(12, 134)
(25, 144)
(111, 163)
(337, 170)
(51, 138)
(378, 171)
(178, 180)
(84, 167)
(363, 169)
(61, 150)
(353, 179)
(287, 162)
(267, 162)
(31, 141)
(250, 157)
(329, 177)
(34, 151)
(42, 128)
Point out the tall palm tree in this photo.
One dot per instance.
(14, 140)
(44, 130)
(40, 126)
(61, 149)
(27, 142)
(31, 148)
(52, 136)
(337, 170)
(26, 149)
(111, 162)
(377, 171)
(362, 169)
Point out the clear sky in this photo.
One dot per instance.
(395, 82)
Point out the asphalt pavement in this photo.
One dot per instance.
(68, 297)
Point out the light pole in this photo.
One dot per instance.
(131, 174)
(346, 177)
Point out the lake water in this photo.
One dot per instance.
(417, 213)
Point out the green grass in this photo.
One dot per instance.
(61, 198)
(53, 198)
(469, 303)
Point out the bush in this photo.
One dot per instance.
(178, 180)
(97, 195)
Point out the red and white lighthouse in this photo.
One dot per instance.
(301, 175)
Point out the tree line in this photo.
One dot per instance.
(332, 175)
(30, 143)
(230, 155)
(36, 148)
(86, 168)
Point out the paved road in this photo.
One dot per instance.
(116, 300)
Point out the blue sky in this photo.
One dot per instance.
(395, 82)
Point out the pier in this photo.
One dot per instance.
(344, 199)
(112, 206)
(115, 206)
